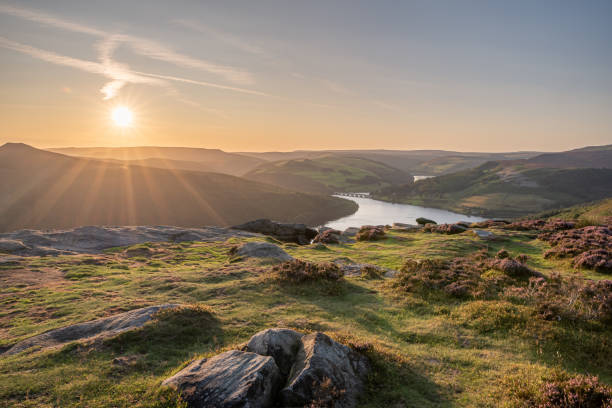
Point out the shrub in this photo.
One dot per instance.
(559, 389)
(513, 268)
(297, 271)
(597, 259)
(370, 233)
(330, 236)
(502, 254)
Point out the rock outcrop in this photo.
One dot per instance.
(330, 236)
(318, 360)
(100, 328)
(297, 233)
(262, 250)
(277, 367)
(234, 379)
(95, 239)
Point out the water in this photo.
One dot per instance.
(375, 212)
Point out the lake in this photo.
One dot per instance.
(375, 212)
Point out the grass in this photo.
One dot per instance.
(427, 350)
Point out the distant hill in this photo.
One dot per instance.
(417, 162)
(587, 157)
(327, 174)
(42, 189)
(179, 158)
(506, 189)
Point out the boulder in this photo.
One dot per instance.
(486, 235)
(11, 245)
(100, 328)
(319, 360)
(424, 221)
(262, 250)
(405, 227)
(350, 232)
(280, 344)
(298, 233)
(234, 379)
(370, 233)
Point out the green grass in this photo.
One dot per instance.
(426, 351)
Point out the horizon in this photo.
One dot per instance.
(272, 77)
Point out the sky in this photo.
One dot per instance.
(285, 75)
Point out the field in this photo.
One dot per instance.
(428, 349)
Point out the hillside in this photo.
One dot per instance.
(444, 320)
(416, 162)
(41, 189)
(328, 174)
(587, 157)
(171, 157)
(506, 189)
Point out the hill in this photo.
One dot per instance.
(506, 189)
(417, 162)
(586, 157)
(41, 189)
(328, 174)
(177, 158)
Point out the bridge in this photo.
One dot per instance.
(362, 195)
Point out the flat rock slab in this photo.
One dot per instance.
(234, 379)
(100, 328)
(95, 239)
(263, 250)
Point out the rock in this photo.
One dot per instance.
(280, 344)
(100, 328)
(11, 245)
(350, 232)
(234, 379)
(424, 221)
(486, 235)
(320, 359)
(330, 236)
(96, 239)
(262, 250)
(298, 233)
(10, 261)
(400, 226)
(514, 268)
(449, 229)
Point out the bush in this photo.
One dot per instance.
(560, 390)
(502, 254)
(370, 233)
(297, 271)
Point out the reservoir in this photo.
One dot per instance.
(375, 212)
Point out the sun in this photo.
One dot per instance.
(122, 116)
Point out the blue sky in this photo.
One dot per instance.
(278, 75)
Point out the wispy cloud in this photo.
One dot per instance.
(141, 46)
(118, 74)
(388, 106)
(229, 39)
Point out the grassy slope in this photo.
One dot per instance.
(436, 351)
(506, 189)
(328, 174)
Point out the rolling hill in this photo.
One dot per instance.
(418, 162)
(42, 189)
(506, 189)
(176, 158)
(329, 173)
(586, 157)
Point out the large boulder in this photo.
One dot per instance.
(321, 360)
(11, 245)
(280, 344)
(424, 221)
(330, 236)
(100, 328)
(234, 379)
(297, 233)
(262, 250)
(350, 232)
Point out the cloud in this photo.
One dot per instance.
(142, 46)
(229, 39)
(387, 106)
